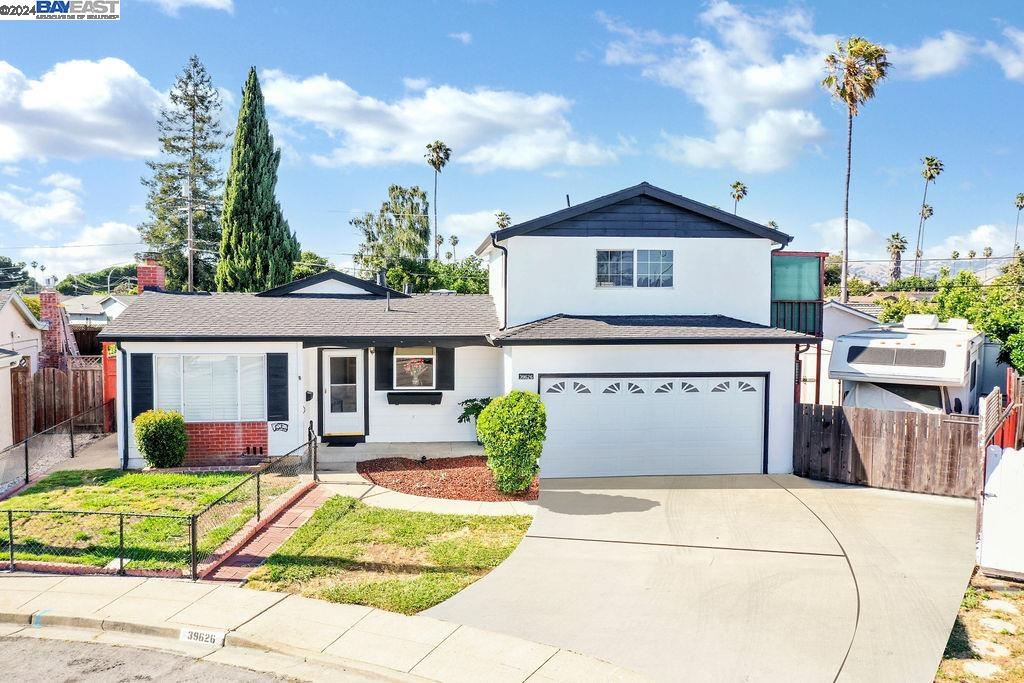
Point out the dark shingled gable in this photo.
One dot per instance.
(646, 329)
(173, 316)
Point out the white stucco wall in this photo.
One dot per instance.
(777, 360)
(835, 322)
(278, 442)
(549, 275)
(19, 336)
(6, 425)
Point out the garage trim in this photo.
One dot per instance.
(766, 376)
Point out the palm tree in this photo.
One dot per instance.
(502, 220)
(896, 245)
(986, 252)
(853, 71)
(955, 255)
(454, 241)
(971, 253)
(739, 191)
(1019, 203)
(437, 157)
(932, 168)
(773, 225)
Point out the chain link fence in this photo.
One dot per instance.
(136, 543)
(41, 452)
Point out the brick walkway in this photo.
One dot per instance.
(252, 554)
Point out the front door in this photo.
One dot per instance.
(343, 393)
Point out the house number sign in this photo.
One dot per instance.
(525, 375)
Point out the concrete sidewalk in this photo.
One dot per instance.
(409, 648)
(353, 485)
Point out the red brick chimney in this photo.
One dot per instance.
(151, 275)
(53, 341)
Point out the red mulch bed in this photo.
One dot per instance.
(463, 478)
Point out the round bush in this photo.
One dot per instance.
(161, 437)
(512, 429)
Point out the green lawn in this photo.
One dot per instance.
(392, 559)
(150, 543)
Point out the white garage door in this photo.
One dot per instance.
(613, 426)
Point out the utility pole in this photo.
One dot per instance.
(189, 244)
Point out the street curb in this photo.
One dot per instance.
(44, 618)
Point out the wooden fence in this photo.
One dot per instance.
(51, 396)
(886, 449)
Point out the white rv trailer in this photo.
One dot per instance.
(919, 365)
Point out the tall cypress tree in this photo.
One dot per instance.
(257, 248)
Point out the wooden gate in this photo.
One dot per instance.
(50, 396)
(886, 449)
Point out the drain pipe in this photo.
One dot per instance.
(124, 404)
(504, 282)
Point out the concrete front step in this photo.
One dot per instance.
(341, 458)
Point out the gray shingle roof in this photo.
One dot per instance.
(647, 329)
(165, 315)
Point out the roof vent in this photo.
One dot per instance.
(921, 322)
(443, 291)
(407, 288)
(960, 324)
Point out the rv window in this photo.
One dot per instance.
(913, 358)
(872, 355)
(974, 374)
(928, 396)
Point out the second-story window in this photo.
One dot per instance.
(614, 268)
(654, 268)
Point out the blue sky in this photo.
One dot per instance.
(538, 100)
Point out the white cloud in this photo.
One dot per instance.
(464, 37)
(172, 7)
(95, 247)
(77, 109)
(934, 56)
(471, 228)
(486, 128)
(39, 212)
(753, 77)
(1009, 55)
(63, 180)
(769, 143)
(865, 242)
(415, 83)
(988, 235)
(11, 171)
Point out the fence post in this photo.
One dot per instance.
(72, 425)
(10, 539)
(193, 547)
(120, 544)
(26, 459)
(258, 496)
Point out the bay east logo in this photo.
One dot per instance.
(63, 10)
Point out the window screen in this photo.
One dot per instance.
(654, 268)
(911, 358)
(928, 396)
(614, 268)
(796, 278)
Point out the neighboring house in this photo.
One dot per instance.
(90, 313)
(837, 319)
(641, 318)
(20, 331)
(8, 361)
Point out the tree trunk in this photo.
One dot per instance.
(920, 232)
(436, 247)
(1015, 229)
(844, 292)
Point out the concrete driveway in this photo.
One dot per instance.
(734, 578)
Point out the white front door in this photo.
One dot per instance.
(343, 393)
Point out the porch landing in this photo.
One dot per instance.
(344, 458)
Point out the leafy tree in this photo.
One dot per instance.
(465, 276)
(309, 263)
(32, 302)
(912, 283)
(931, 170)
(191, 141)
(15, 275)
(959, 296)
(739, 191)
(119, 277)
(257, 248)
(398, 235)
(896, 245)
(896, 311)
(853, 72)
(437, 157)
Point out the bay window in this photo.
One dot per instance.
(212, 387)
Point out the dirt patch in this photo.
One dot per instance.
(463, 478)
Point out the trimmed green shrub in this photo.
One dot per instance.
(161, 437)
(512, 429)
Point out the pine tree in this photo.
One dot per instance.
(191, 140)
(257, 248)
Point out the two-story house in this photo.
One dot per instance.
(642, 319)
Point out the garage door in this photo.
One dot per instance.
(613, 426)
